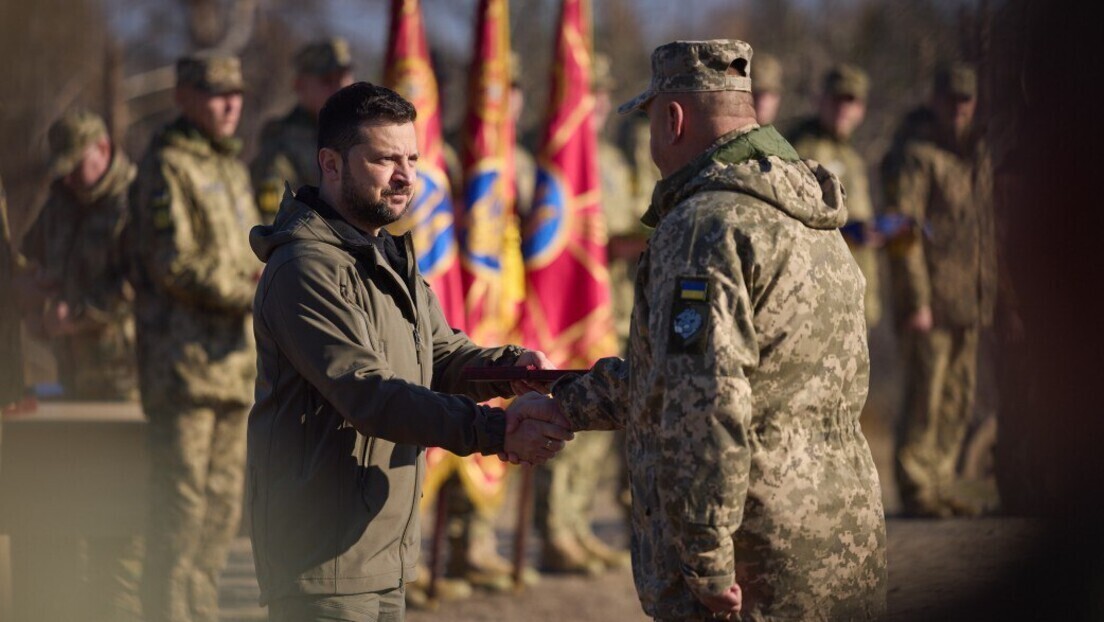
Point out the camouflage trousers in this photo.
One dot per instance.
(940, 385)
(566, 485)
(196, 487)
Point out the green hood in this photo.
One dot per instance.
(297, 220)
(758, 163)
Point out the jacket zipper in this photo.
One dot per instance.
(409, 519)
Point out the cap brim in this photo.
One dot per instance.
(63, 165)
(636, 103)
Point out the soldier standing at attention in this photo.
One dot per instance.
(289, 145)
(944, 287)
(768, 88)
(194, 277)
(754, 491)
(826, 138)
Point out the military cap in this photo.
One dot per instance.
(696, 66)
(768, 74)
(69, 136)
(322, 57)
(601, 78)
(845, 80)
(213, 72)
(957, 79)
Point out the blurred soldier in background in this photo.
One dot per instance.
(567, 484)
(289, 145)
(768, 88)
(76, 263)
(826, 138)
(194, 277)
(77, 295)
(944, 287)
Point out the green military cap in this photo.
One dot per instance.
(601, 78)
(69, 136)
(696, 66)
(768, 74)
(214, 72)
(845, 80)
(322, 57)
(957, 79)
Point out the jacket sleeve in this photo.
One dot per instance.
(171, 255)
(597, 400)
(704, 461)
(301, 306)
(907, 192)
(453, 351)
(107, 300)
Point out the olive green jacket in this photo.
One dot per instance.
(358, 372)
(288, 154)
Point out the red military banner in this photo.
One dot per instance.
(431, 218)
(487, 154)
(567, 308)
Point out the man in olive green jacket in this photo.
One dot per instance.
(194, 278)
(358, 372)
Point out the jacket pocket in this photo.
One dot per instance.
(312, 412)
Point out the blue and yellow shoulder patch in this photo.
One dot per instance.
(693, 289)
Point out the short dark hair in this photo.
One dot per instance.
(360, 103)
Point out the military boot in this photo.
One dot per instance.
(564, 554)
(611, 558)
(448, 588)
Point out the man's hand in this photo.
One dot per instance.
(57, 321)
(726, 605)
(531, 359)
(535, 430)
(920, 320)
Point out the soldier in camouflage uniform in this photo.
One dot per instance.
(826, 138)
(82, 303)
(768, 88)
(754, 491)
(289, 145)
(75, 253)
(944, 287)
(194, 277)
(566, 486)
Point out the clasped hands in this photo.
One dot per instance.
(536, 429)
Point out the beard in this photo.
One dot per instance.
(372, 213)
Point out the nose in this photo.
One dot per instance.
(406, 172)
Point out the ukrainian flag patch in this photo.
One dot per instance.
(693, 289)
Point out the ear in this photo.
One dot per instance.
(330, 163)
(675, 117)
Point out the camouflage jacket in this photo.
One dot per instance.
(288, 154)
(741, 395)
(949, 191)
(194, 274)
(840, 157)
(76, 242)
(11, 362)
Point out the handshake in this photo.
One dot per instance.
(536, 428)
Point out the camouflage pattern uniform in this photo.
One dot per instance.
(289, 145)
(947, 186)
(746, 375)
(75, 244)
(814, 141)
(11, 363)
(192, 208)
